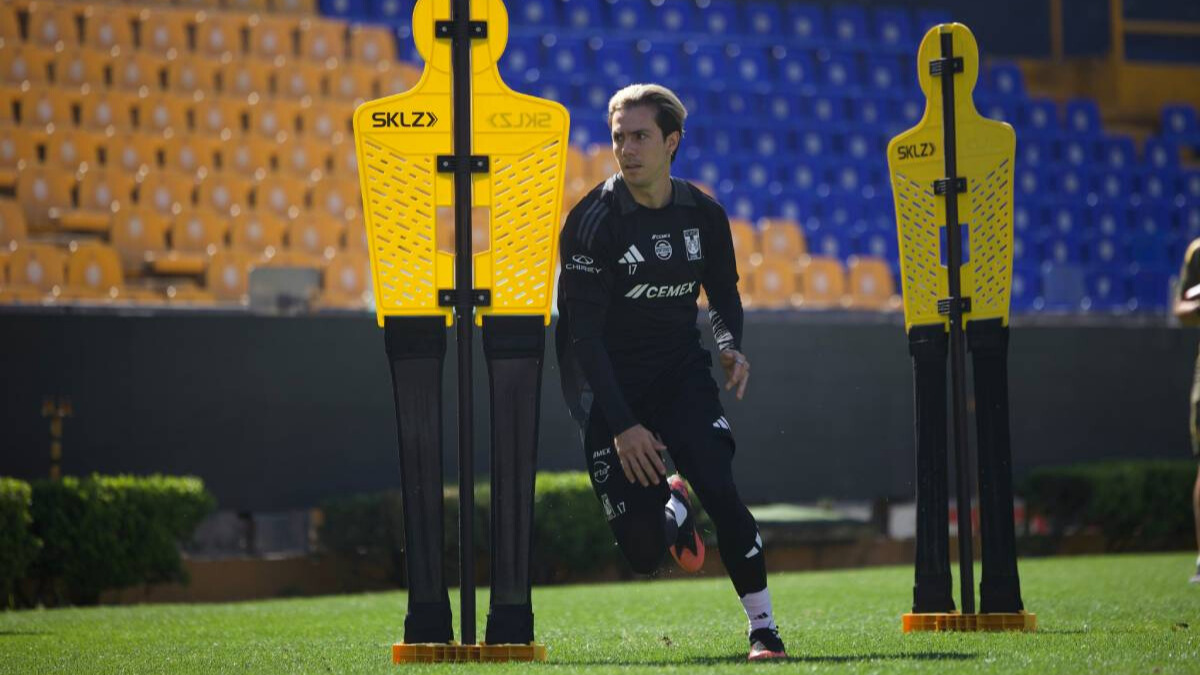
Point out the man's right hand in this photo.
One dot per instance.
(638, 450)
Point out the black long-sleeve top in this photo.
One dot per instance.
(630, 278)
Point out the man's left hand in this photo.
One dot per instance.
(737, 370)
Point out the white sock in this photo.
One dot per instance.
(1198, 562)
(758, 609)
(678, 509)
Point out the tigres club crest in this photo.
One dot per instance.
(691, 240)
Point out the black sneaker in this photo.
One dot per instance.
(688, 549)
(765, 643)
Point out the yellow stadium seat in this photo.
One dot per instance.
(190, 74)
(601, 163)
(314, 236)
(38, 266)
(395, 77)
(781, 238)
(224, 193)
(339, 199)
(356, 238)
(72, 150)
(93, 272)
(221, 35)
(228, 275)
(188, 294)
(12, 224)
(328, 122)
(10, 26)
(194, 154)
(245, 5)
(577, 173)
(80, 69)
(300, 79)
(44, 106)
(346, 281)
(165, 115)
(109, 27)
(99, 195)
(108, 111)
(10, 98)
(243, 77)
(322, 39)
(166, 192)
(138, 72)
(871, 284)
(197, 231)
(53, 25)
(251, 157)
(257, 232)
(355, 82)
(745, 243)
(309, 159)
(272, 36)
(18, 148)
(274, 120)
(282, 195)
(164, 31)
(136, 233)
(222, 117)
(299, 7)
(345, 160)
(43, 193)
(136, 153)
(372, 44)
(774, 284)
(822, 282)
(4, 255)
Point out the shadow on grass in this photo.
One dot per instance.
(797, 658)
(19, 633)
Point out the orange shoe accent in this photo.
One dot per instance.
(765, 654)
(689, 562)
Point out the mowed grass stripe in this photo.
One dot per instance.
(1105, 614)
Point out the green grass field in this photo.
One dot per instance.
(1113, 614)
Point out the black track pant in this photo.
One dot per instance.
(691, 422)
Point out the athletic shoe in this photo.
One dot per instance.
(765, 643)
(1195, 577)
(688, 549)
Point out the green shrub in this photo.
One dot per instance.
(570, 536)
(110, 532)
(1136, 505)
(18, 546)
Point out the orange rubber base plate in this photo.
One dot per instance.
(953, 621)
(456, 653)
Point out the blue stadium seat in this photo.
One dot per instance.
(1066, 218)
(1063, 286)
(1161, 153)
(794, 70)
(554, 91)
(805, 177)
(1151, 219)
(910, 109)
(1187, 220)
(1034, 152)
(1111, 219)
(1038, 116)
(391, 12)
(893, 30)
(674, 17)
(720, 18)
(1152, 249)
(521, 55)
(883, 73)
(827, 109)
(587, 130)
(1111, 184)
(870, 111)
(845, 178)
(1117, 152)
(860, 146)
(748, 66)
(564, 58)
(612, 58)
(1189, 185)
(848, 27)
(1062, 249)
(812, 141)
(535, 13)
(1105, 250)
(767, 142)
(583, 14)
(792, 204)
(999, 108)
(1082, 116)
(1029, 182)
(1107, 288)
(838, 71)
(628, 15)
(781, 108)
(876, 241)
(1023, 217)
(1077, 151)
(1179, 121)
(708, 62)
(1026, 287)
(1005, 79)
(1155, 185)
(660, 64)
(1071, 183)
(1150, 286)
(762, 19)
(805, 23)
(345, 9)
(928, 18)
(595, 95)
(756, 174)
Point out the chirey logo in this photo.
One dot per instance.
(582, 263)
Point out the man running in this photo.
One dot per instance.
(635, 253)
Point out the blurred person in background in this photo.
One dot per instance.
(1187, 309)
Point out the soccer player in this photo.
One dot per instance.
(635, 253)
(1187, 308)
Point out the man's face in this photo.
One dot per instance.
(638, 144)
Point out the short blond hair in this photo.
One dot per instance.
(669, 111)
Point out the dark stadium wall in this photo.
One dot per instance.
(280, 413)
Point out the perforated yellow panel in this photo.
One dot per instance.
(985, 158)
(525, 141)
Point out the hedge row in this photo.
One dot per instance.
(97, 533)
(1136, 505)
